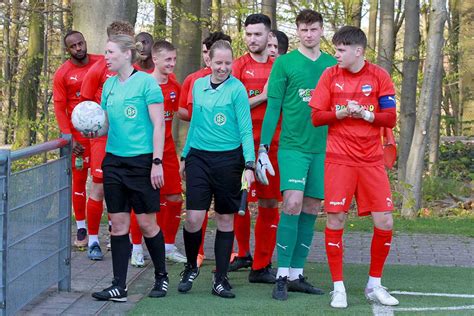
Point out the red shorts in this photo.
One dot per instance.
(94, 153)
(171, 174)
(272, 190)
(369, 185)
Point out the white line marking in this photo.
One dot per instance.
(421, 309)
(433, 294)
(381, 310)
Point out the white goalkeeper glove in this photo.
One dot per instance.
(263, 165)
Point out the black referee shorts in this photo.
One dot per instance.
(214, 174)
(127, 184)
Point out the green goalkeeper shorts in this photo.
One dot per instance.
(302, 171)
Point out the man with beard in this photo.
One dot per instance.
(301, 152)
(253, 69)
(66, 94)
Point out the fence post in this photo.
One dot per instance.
(65, 207)
(4, 177)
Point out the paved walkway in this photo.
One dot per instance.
(89, 276)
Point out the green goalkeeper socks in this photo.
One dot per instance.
(286, 238)
(304, 240)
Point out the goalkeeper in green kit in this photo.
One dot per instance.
(301, 152)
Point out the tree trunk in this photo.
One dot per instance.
(159, 27)
(188, 44)
(386, 35)
(455, 123)
(353, 10)
(415, 166)
(411, 60)
(269, 8)
(28, 92)
(92, 17)
(11, 36)
(216, 15)
(433, 149)
(466, 61)
(206, 6)
(373, 11)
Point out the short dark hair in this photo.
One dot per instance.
(308, 16)
(145, 34)
(220, 44)
(282, 40)
(350, 35)
(69, 33)
(214, 37)
(258, 18)
(160, 45)
(120, 27)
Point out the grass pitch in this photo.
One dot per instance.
(255, 299)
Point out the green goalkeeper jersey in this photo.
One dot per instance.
(291, 84)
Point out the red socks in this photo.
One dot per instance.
(172, 219)
(265, 236)
(381, 242)
(334, 252)
(79, 179)
(242, 233)
(135, 230)
(203, 238)
(94, 214)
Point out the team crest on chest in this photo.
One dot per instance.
(131, 111)
(366, 89)
(220, 119)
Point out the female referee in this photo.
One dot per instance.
(218, 148)
(133, 172)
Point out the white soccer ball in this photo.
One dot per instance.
(89, 117)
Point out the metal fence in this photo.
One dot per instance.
(35, 224)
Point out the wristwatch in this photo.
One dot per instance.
(250, 165)
(157, 161)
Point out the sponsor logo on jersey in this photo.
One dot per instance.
(302, 181)
(250, 72)
(78, 94)
(366, 89)
(340, 85)
(220, 119)
(305, 94)
(336, 203)
(172, 96)
(389, 202)
(253, 93)
(368, 107)
(131, 112)
(73, 78)
(169, 115)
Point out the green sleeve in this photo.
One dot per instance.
(277, 84)
(270, 121)
(244, 122)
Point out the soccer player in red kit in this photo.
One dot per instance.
(66, 93)
(186, 103)
(169, 217)
(145, 60)
(91, 89)
(355, 99)
(253, 69)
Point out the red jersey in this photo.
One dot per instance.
(254, 76)
(186, 97)
(351, 141)
(148, 71)
(171, 93)
(94, 80)
(67, 90)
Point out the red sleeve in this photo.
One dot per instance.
(320, 103)
(90, 89)
(386, 118)
(183, 95)
(60, 102)
(237, 69)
